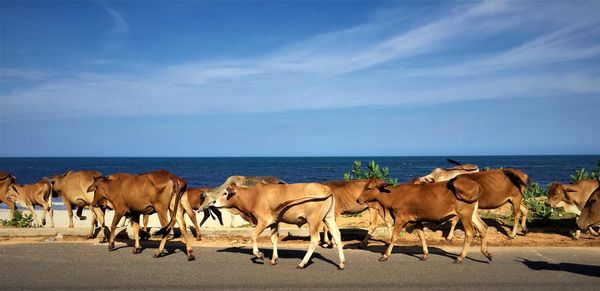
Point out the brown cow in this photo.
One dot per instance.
(345, 194)
(269, 204)
(135, 194)
(244, 181)
(572, 197)
(195, 199)
(590, 214)
(435, 202)
(31, 195)
(7, 180)
(445, 174)
(72, 187)
(497, 188)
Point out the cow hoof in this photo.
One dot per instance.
(383, 259)
(91, 236)
(272, 263)
(156, 254)
(137, 250)
(341, 266)
(423, 258)
(198, 238)
(449, 239)
(300, 266)
(71, 226)
(260, 256)
(511, 237)
(362, 246)
(458, 261)
(103, 240)
(191, 258)
(111, 248)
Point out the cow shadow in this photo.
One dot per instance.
(347, 234)
(171, 247)
(283, 253)
(417, 252)
(588, 270)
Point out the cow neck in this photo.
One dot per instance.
(384, 199)
(244, 201)
(20, 197)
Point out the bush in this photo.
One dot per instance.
(583, 174)
(373, 171)
(19, 220)
(534, 199)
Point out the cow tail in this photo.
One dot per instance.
(178, 190)
(517, 180)
(287, 204)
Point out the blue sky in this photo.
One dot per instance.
(291, 78)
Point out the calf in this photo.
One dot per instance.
(590, 214)
(269, 204)
(132, 195)
(6, 181)
(31, 195)
(572, 198)
(345, 194)
(497, 188)
(436, 202)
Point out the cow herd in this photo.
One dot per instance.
(452, 194)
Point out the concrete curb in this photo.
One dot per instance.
(127, 232)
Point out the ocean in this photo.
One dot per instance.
(213, 171)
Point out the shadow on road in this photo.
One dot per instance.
(414, 251)
(588, 270)
(283, 253)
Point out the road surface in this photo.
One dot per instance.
(85, 265)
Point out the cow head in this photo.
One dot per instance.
(100, 194)
(13, 194)
(372, 189)
(590, 215)
(226, 199)
(557, 193)
(57, 182)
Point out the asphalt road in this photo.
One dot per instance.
(82, 265)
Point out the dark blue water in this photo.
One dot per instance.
(213, 171)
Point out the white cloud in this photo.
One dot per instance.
(377, 63)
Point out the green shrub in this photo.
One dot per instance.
(583, 174)
(534, 199)
(19, 220)
(373, 171)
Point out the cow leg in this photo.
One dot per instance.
(482, 229)
(113, 229)
(186, 235)
(35, 217)
(44, 212)
(146, 219)
(274, 241)
(12, 206)
(398, 226)
(69, 213)
(51, 213)
(453, 223)
(314, 241)
(194, 220)
(592, 231)
(373, 221)
(524, 214)
(326, 240)
(516, 203)
(135, 224)
(466, 213)
(260, 227)
(337, 239)
(93, 222)
(423, 242)
(124, 223)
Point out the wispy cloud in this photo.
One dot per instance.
(23, 74)
(119, 29)
(464, 54)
